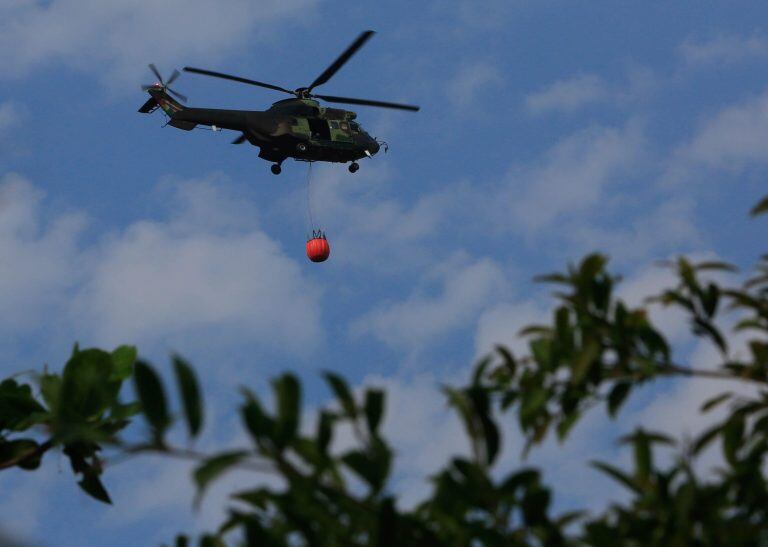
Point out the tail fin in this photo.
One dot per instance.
(149, 106)
(159, 98)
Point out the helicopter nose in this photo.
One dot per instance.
(373, 147)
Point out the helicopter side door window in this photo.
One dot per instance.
(320, 129)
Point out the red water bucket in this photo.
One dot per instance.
(318, 249)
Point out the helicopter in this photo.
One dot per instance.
(298, 127)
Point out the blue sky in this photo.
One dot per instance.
(547, 130)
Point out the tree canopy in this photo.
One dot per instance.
(594, 353)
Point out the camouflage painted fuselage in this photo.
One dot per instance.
(292, 128)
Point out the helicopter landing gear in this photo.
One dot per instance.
(354, 167)
(276, 169)
(301, 147)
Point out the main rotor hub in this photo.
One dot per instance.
(303, 93)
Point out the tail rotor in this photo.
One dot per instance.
(160, 84)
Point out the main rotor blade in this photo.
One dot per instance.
(182, 98)
(235, 79)
(342, 59)
(366, 102)
(153, 68)
(173, 77)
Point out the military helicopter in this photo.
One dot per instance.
(296, 128)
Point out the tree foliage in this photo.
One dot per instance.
(595, 352)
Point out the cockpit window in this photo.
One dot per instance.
(344, 126)
(355, 127)
(335, 125)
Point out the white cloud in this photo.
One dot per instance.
(24, 512)
(731, 138)
(572, 94)
(466, 288)
(727, 141)
(470, 81)
(206, 269)
(568, 95)
(125, 35)
(571, 178)
(39, 261)
(638, 238)
(722, 49)
(501, 325)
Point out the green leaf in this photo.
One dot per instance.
(643, 456)
(91, 484)
(749, 323)
(617, 475)
(716, 266)
(481, 412)
(480, 367)
(190, 395)
(152, 398)
(567, 424)
(18, 407)
(209, 540)
(584, 361)
(214, 467)
(592, 265)
(760, 208)
(557, 278)
(87, 388)
(702, 326)
(733, 434)
(532, 402)
(259, 424)
(706, 438)
(541, 350)
(288, 395)
(687, 274)
(50, 388)
(535, 330)
(522, 478)
(122, 412)
(617, 396)
(714, 401)
(563, 329)
(123, 359)
(343, 394)
(459, 400)
(710, 299)
(324, 430)
(374, 408)
(509, 360)
(19, 452)
(371, 465)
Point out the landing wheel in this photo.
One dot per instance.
(276, 169)
(354, 167)
(301, 147)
